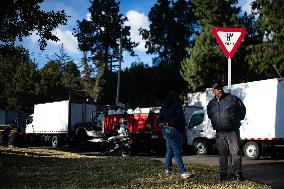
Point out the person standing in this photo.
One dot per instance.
(123, 130)
(225, 112)
(172, 120)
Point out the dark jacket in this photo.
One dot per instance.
(172, 113)
(226, 114)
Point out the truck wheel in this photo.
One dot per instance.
(126, 151)
(200, 147)
(82, 138)
(55, 141)
(251, 150)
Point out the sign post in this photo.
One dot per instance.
(229, 40)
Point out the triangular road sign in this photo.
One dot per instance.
(229, 39)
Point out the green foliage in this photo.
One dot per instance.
(171, 27)
(216, 13)
(206, 62)
(69, 70)
(26, 86)
(205, 65)
(18, 79)
(51, 82)
(60, 78)
(58, 83)
(19, 18)
(141, 85)
(71, 76)
(171, 31)
(87, 80)
(188, 57)
(61, 58)
(266, 55)
(101, 36)
(138, 86)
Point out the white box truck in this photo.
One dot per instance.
(262, 130)
(61, 122)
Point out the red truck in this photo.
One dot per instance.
(142, 124)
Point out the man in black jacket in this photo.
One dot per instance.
(225, 112)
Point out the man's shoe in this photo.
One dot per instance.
(168, 171)
(239, 177)
(223, 177)
(185, 175)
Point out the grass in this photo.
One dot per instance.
(43, 168)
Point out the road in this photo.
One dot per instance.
(267, 171)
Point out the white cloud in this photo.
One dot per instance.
(66, 37)
(69, 41)
(137, 20)
(88, 16)
(34, 37)
(245, 5)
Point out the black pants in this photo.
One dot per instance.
(229, 143)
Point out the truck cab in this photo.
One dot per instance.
(29, 124)
(199, 132)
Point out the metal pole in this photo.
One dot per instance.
(229, 74)
(118, 74)
(230, 161)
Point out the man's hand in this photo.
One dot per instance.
(163, 124)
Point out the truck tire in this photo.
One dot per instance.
(200, 147)
(251, 150)
(126, 151)
(82, 137)
(55, 141)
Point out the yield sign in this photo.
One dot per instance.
(229, 39)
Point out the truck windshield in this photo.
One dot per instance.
(196, 119)
(30, 120)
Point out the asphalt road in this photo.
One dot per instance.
(267, 171)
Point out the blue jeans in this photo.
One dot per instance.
(174, 148)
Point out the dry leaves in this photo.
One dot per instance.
(50, 168)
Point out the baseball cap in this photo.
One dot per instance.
(217, 85)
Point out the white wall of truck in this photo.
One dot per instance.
(262, 130)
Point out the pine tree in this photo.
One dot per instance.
(171, 30)
(87, 79)
(19, 79)
(266, 54)
(207, 63)
(101, 35)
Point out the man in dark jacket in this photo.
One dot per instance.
(173, 122)
(225, 112)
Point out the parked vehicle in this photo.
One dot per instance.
(261, 132)
(62, 122)
(5, 132)
(117, 146)
(143, 129)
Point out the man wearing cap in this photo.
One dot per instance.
(225, 112)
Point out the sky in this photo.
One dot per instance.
(136, 11)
